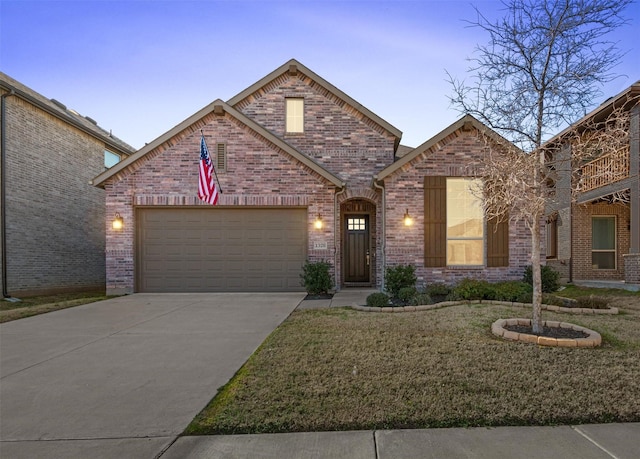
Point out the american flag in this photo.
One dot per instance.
(207, 190)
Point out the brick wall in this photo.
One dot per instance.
(405, 190)
(336, 135)
(55, 237)
(258, 174)
(631, 268)
(582, 267)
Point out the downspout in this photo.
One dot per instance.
(336, 230)
(384, 226)
(3, 188)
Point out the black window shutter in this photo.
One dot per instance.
(435, 221)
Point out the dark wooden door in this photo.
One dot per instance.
(357, 255)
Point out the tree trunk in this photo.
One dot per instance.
(536, 321)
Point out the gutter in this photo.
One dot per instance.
(384, 226)
(3, 192)
(337, 226)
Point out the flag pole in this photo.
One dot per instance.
(211, 159)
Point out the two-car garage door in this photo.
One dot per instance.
(220, 249)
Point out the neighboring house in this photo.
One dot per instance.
(307, 173)
(52, 219)
(596, 237)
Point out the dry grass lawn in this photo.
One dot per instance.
(32, 306)
(340, 369)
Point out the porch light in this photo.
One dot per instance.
(408, 219)
(118, 222)
(318, 223)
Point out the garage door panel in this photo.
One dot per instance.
(218, 249)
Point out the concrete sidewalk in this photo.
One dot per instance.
(345, 297)
(603, 441)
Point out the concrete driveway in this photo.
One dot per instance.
(123, 377)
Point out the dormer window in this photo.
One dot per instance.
(294, 115)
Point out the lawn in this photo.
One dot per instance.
(340, 369)
(41, 304)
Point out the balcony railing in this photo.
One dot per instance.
(605, 170)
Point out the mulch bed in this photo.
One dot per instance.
(326, 296)
(549, 332)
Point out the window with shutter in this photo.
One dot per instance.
(454, 232)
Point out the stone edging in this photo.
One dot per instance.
(594, 339)
(546, 307)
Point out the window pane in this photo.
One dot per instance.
(465, 252)
(603, 233)
(464, 211)
(295, 115)
(465, 223)
(603, 260)
(356, 224)
(110, 159)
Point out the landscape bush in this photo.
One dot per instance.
(378, 300)
(437, 290)
(316, 278)
(550, 278)
(508, 290)
(592, 302)
(406, 294)
(471, 289)
(421, 299)
(398, 277)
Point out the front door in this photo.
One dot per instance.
(357, 256)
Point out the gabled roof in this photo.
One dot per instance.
(631, 94)
(293, 66)
(60, 111)
(465, 123)
(219, 107)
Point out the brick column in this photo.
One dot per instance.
(632, 268)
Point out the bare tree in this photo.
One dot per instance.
(541, 70)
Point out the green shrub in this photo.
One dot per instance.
(437, 289)
(397, 277)
(550, 278)
(472, 289)
(315, 277)
(510, 290)
(421, 299)
(406, 294)
(548, 299)
(592, 302)
(378, 300)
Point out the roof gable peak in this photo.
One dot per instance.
(293, 68)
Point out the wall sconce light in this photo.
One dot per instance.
(318, 223)
(408, 219)
(118, 222)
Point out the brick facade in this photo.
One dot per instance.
(54, 218)
(405, 191)
(348, 146)
(574, 260)
(582, 240)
